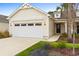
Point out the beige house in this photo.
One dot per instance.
(29, 21)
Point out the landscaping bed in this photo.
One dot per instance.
(64, 37)
(62, 47)
(32, 50)
(50, 49)
(62, 52)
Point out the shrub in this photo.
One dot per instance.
(61, 44)
(1, 35)
(70, 40)
(58, 44)
(77, 35)
(53, 44)
(5, 34)
(64, 35)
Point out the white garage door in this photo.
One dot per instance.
(28, 30)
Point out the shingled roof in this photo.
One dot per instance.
(3, 19)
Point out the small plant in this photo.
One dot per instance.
(77, 35)
(5, 34)
(54, 44)
(1, 35)
(64, 35)
(61, 44)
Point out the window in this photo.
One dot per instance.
(57, 14)
(23, 24)
(30, 24)
(38, 24)
(17, 24)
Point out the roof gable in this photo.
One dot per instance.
(26, 6)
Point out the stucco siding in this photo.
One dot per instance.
(4, 27)
(51, 27)
(28, 14)
(46, 29)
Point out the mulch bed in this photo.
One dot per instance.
(66, 39)
(62, 52)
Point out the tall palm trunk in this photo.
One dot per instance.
(69, 21)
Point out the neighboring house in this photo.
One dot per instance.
(3, 23)
(28, 21)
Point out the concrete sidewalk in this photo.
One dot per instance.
(14, 45)
(53, 38)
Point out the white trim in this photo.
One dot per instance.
(65, 27)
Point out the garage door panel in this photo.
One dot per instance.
(28, 31)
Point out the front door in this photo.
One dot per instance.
(78, 29)
(58, 28)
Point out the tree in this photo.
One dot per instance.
(63, 9)
(70, 9)
(67, 11)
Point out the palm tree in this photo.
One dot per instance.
(63, 9)
(69, 8)
(67, 11)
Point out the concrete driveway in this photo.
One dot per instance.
(13, 45)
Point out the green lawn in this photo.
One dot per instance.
(26, 52)
(63, 45)
(41, 44)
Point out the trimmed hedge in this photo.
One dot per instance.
(63, 45)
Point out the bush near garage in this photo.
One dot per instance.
(4, 34)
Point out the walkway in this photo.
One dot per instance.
(53, 38)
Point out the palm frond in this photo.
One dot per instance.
(58, 8)
(64, 5)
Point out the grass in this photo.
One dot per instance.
(26, 52)
(41, 44)
(63, 45)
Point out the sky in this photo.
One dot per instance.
(8, 8)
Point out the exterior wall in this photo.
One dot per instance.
(30, 15)
(51, 27)
(62, 27)
(3, 27)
